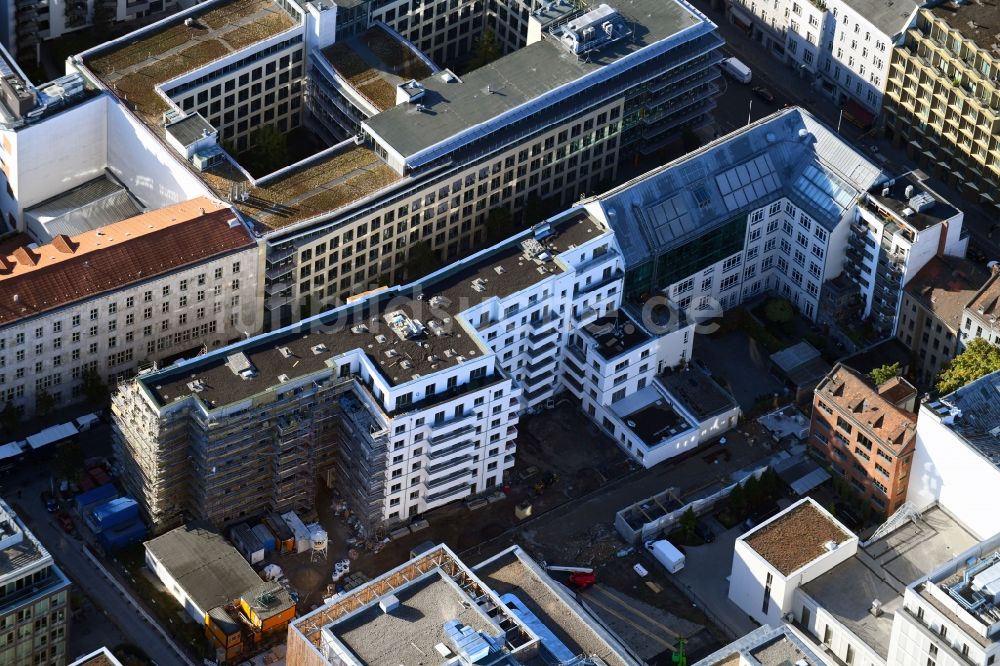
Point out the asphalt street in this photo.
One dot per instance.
(23, 488)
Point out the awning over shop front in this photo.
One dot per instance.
(858, 115)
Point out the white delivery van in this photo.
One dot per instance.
(666, 554)
(736, 70)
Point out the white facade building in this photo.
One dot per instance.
(768, 646)
(920, 592)
(768, 207)
(980, 316)
(108, 301)
(951, 617)
(958, 440)
(765, 576)
(420, 387)
(902, 226)
(855, 601)
(843, 45)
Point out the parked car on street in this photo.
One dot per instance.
(65, 522)
(51, 505)
(764, 93)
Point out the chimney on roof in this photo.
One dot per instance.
(63, 243)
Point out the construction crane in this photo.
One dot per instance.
(579, 577)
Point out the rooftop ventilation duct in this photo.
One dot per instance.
(241, 366)
(466, 642)
(388, 603)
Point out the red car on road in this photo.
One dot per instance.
(65, 521)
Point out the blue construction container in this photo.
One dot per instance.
(123, 535)
(113, 513)
(265, 537)
(98, 495)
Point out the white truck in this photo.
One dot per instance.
(736, 69)
(666, 554)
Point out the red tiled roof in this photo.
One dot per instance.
(105, 259)
(988, 297)
(856, 397)
(944, 285)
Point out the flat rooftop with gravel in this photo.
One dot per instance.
(795, 538)
(882, 570)
(416, 625)
(310, 346)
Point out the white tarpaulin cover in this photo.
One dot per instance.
(52, 434)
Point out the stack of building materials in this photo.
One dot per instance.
(123, 535)
(247, 543)
(303, 541)
(88, 500)
(284, 539)
(113, 513)
(99, 475)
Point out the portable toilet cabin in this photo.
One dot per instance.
(247, 543)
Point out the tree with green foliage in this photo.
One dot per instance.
(268, 150)
(778, 311)
(422, 261)
(94, 389)
(10, 417)
(44, 403)
(979, 358)
(737, 501)
(755, 492)
(884, 373)
(499, 225)
(688, 523)
(770, 483)
(69, 460)
(485, 50)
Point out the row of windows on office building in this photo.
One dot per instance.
(452, 217)
(269, 94)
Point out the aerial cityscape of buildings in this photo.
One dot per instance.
(459, 332)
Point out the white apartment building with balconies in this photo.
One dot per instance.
(951, 616)
(902, 225)
(409, 397)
